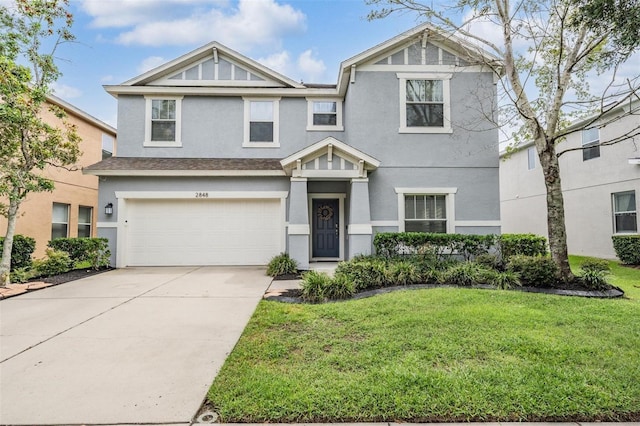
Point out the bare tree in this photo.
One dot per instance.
(546, 50)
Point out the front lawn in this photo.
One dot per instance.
(437, 355)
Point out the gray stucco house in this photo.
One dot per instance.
(222, 161)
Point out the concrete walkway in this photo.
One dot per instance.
(130, 346)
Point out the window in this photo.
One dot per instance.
(261, 122)
(163, 122)
(85, 214)
(424, 103)
(590, 143)
(624, 212)
(60, 221)
(108, 145)
(531, 158)
(324, 114)
(425, 213)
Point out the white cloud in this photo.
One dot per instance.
(280, 62)
(106, 79)
(65, 92)
(150, 63)
(312, 70)
(180, 22)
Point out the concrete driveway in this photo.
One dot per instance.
(134, 345)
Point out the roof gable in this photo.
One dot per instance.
(213, 65)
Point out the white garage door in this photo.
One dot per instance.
(203, 232)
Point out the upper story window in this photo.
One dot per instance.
(531, 158)
(625, 219)
(324, 115)
(425, 105)
(590, 143)
(163, 121)
(261, 122)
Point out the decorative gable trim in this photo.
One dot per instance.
(214, 51)
(327, 159)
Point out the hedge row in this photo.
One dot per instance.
(23, 248)
(390, 244)
(627, 248)
(94, 250)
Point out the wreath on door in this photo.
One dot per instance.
(325, 212)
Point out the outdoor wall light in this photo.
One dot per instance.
(108, 209)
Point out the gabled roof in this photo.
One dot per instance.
(212, 50)
(468, 51)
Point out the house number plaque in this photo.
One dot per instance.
(202, 195)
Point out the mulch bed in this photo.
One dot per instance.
(72, 275)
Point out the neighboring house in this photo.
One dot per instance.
(601, 186)
(70, 209)
(224, 161)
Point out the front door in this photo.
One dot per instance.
(326, 228)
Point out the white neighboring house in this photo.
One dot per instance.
(601, 186)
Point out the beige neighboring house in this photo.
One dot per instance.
(70, 210)
(601, 186)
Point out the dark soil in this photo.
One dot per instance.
(72, 275)
(285, 277)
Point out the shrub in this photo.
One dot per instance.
(490, 261)
(594, 279)
(627, 248)
(365, 272)
(21, 252)
(505, 280)
(391, 244)
(20, 275)
(534, 271)
(592, 264)
(401, 273)
(521, 244)
(282, 264)
(340, 287)
(93, 250)
(56, 262)
(464, 274)
(314, 285)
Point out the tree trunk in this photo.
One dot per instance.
(555, 209)
(7, 248)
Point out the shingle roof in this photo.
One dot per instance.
(138, 165)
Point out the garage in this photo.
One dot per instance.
(202, 231)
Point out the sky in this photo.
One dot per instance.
(117, 40)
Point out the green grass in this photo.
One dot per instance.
(625, 277)
(437, 355)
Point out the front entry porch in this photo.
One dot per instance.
(329, 210)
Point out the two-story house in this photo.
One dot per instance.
(223, 161)
(600, 184)
(70, 210)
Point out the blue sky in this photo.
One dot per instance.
(303, 39)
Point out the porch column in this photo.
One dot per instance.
(360, 230)
(299, 229)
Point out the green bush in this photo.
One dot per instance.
(627, 248)
(593, 264)
(521, 244)
(313, 286)
(594, 279)
(464, 274)
(93, 250)
(282, 264)
(23, 248)
(340, 287)
(490, 261)
(391, 244)
(401, 273)
(505, 280)
(534, 271)
(21, 275)
(365, 272)
(56, 262)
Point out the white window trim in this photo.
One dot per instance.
(147, 122)
(614, 213)
(339, 127)
(247, 125)
(449, 200)
(446, 98)
(90, 223)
